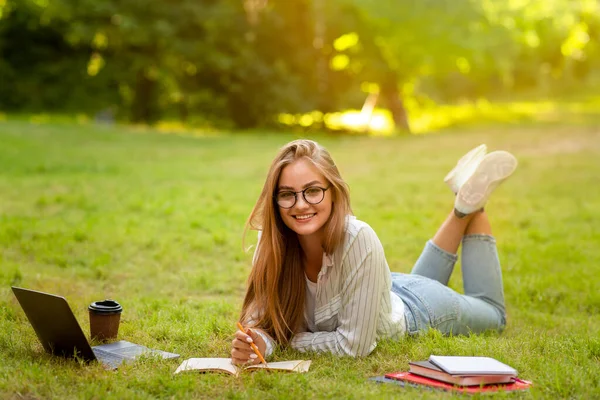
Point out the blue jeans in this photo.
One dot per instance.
(429, 303)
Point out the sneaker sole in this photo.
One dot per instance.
(468, 158)
(493, 170)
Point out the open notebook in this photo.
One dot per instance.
(226, 366)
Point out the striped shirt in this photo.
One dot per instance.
(354, 305)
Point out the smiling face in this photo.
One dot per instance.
(304, 218)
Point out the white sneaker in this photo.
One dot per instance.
(465, 167)
(491, 172)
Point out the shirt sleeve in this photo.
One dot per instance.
(361, 302)
(270, 342)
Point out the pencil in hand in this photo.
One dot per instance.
(254, 348)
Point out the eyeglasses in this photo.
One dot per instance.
(312, 195)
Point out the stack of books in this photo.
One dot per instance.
(463, 374)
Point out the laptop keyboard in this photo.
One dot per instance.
(109, 359)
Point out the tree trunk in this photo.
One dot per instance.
(367, 111)
(322, 68)
(145, 106)
(393, 101)
(184, 111)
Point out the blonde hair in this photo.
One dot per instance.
(274, 300)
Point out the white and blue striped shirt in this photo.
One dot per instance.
(354, 305)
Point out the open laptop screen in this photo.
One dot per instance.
(54, 323)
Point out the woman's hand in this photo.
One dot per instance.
(241, 352)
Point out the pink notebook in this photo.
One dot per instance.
(517, 384)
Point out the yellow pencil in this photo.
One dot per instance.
(260, 357)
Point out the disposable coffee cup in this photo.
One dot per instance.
(105, 317)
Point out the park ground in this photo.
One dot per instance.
(156, 221)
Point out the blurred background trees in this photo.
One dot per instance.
(243, 63)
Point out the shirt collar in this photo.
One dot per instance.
(327, 263)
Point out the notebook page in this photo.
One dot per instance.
(294, 365)
(205, 364)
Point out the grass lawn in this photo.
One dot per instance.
(156, 221)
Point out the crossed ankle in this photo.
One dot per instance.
(461, 215)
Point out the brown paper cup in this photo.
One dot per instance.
(105, 317)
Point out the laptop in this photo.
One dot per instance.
(60, 333)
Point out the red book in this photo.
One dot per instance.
(515, 384)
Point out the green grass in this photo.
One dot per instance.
(155, 221)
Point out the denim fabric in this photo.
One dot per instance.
(429, 303)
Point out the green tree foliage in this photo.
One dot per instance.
(242, 62)
(470, 49)
(180, 57)
(39, 69)
(403, 40)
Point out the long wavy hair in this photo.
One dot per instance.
(275, 296)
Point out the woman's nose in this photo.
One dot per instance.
(301, 202)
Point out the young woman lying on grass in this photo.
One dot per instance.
(320, 280)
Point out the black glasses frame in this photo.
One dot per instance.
(303, 196)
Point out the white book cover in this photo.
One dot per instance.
(464, 365)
